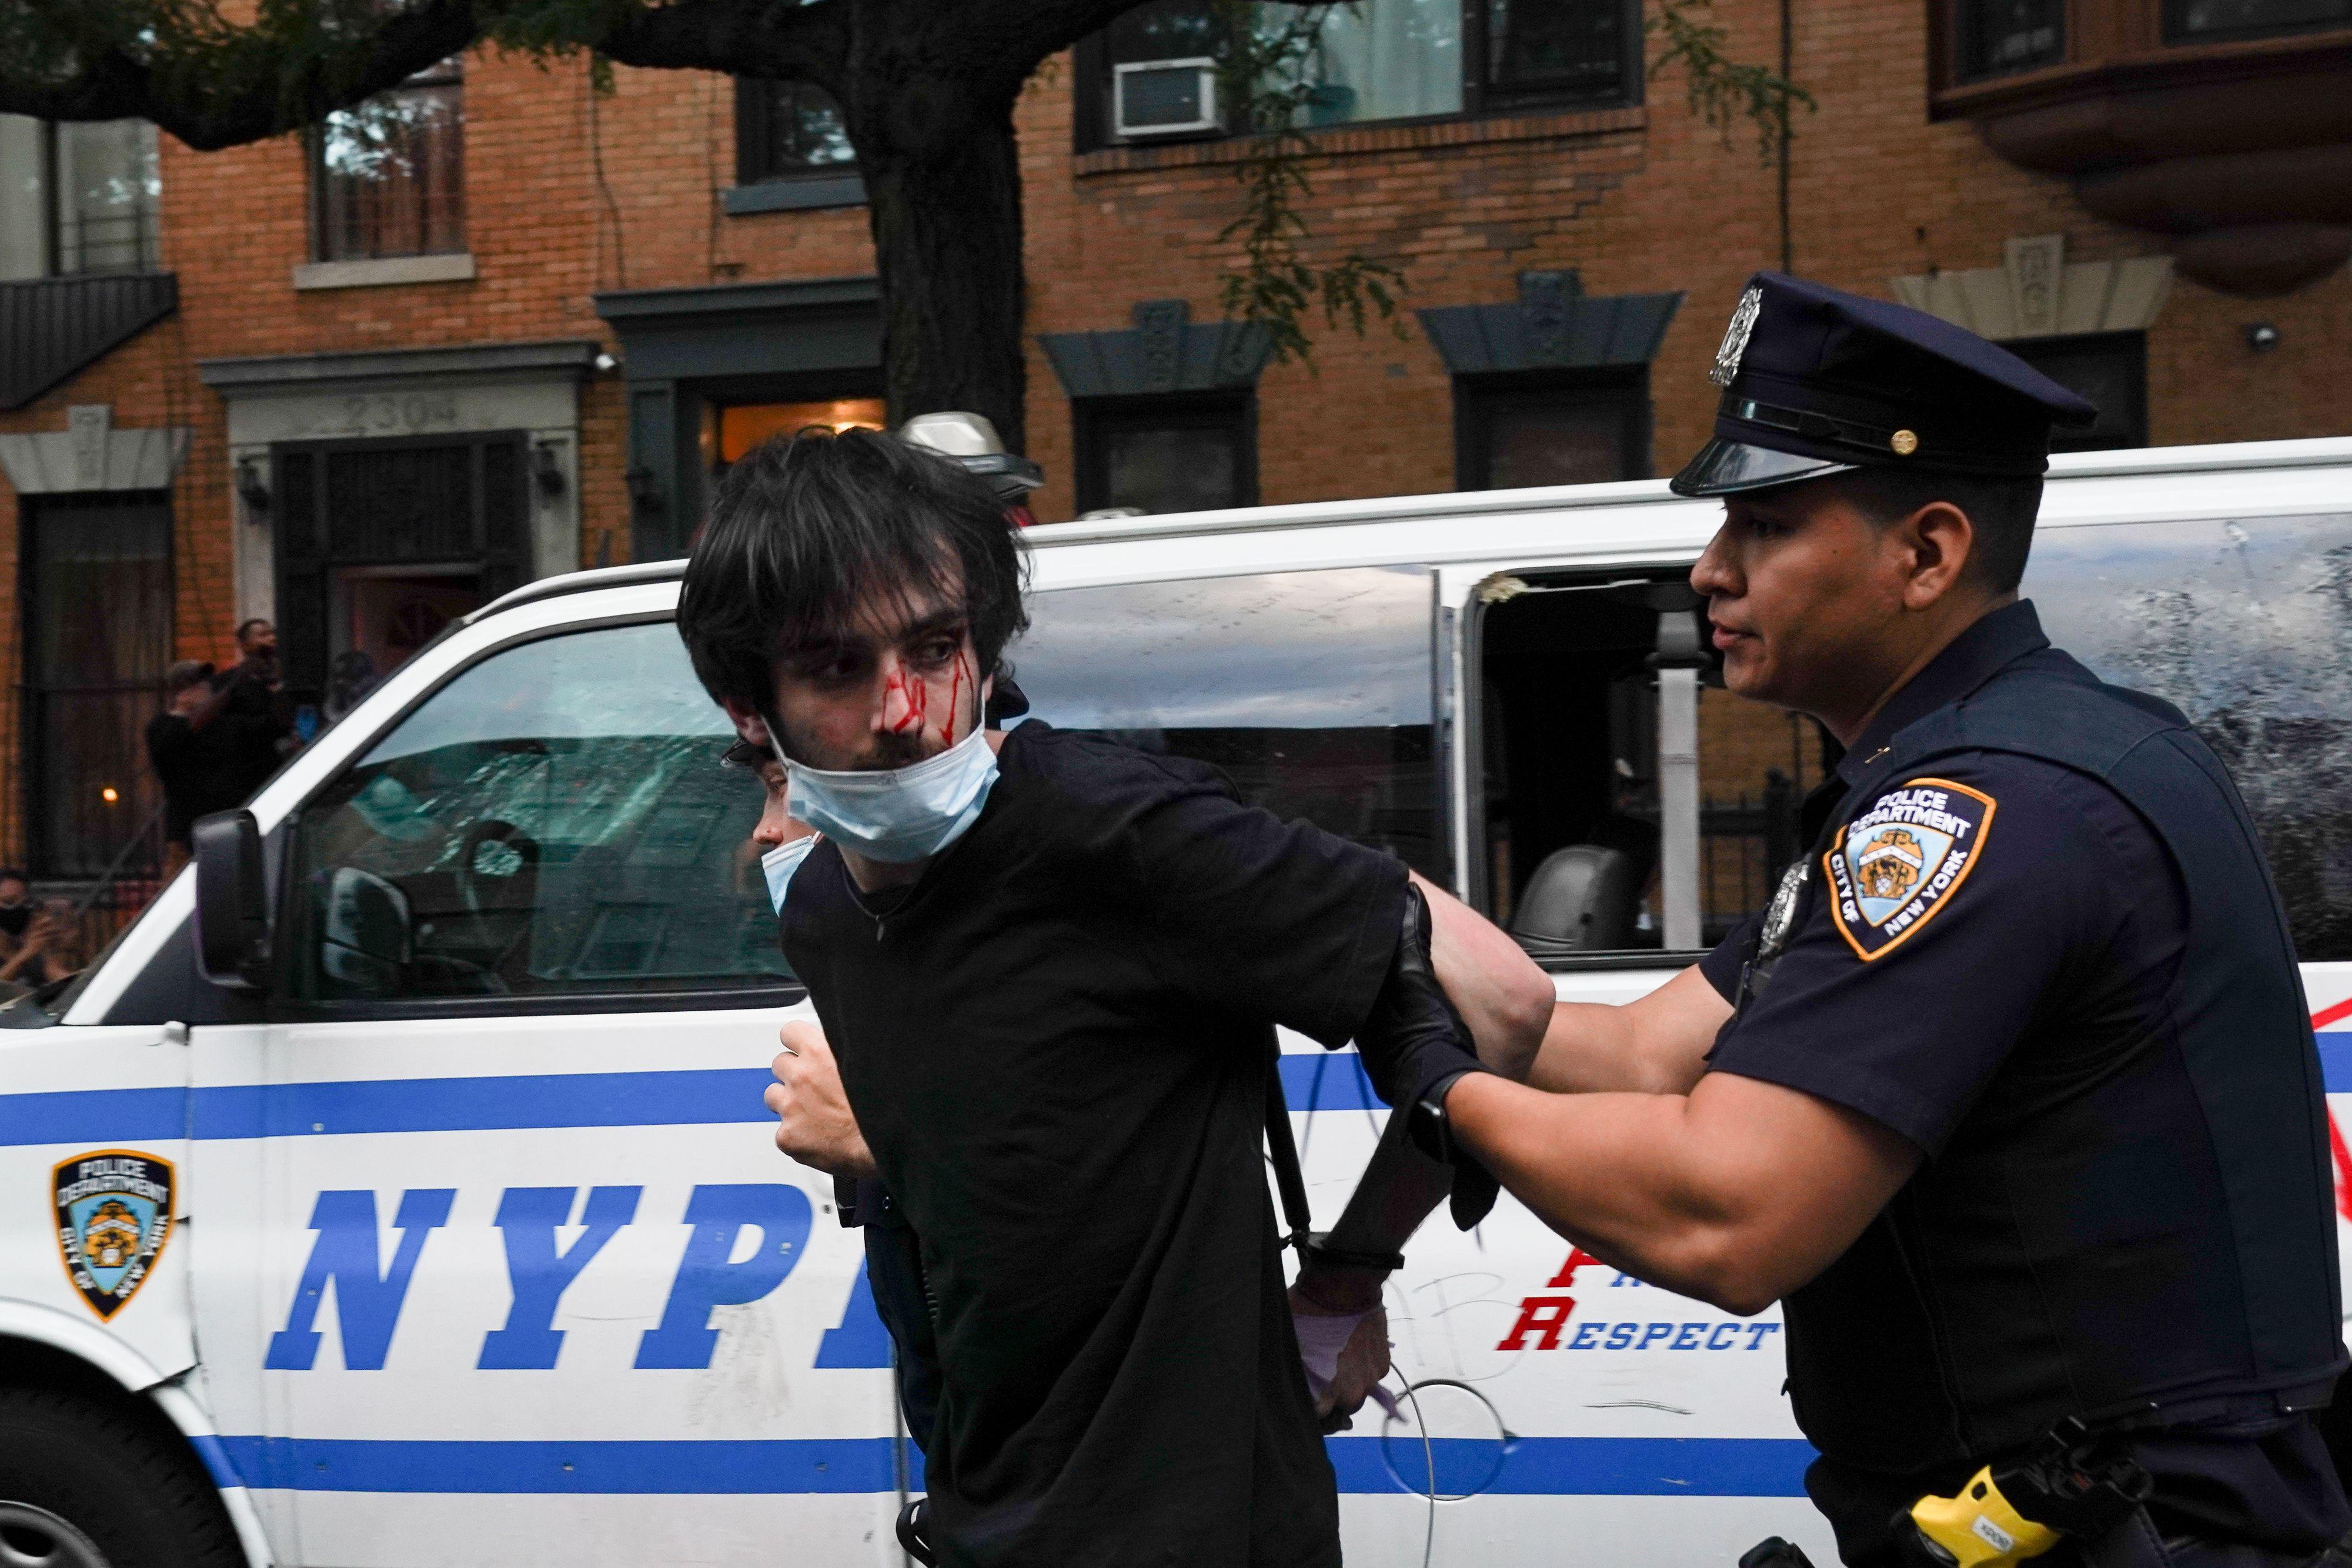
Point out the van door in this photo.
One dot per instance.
(1621, 814)
(93, 1155)
(533, 1283)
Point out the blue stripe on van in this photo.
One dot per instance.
(1529, 1467)
(1323, 1082)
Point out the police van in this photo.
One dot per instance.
(429, 1214)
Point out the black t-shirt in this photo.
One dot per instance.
(1055, 1045)
(251, 725)
(202, 770)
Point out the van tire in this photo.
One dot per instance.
(143, 1500)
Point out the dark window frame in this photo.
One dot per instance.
(1477, 398)
(1093, 418)
(755, 144)
(2132, 347)
(1091, 118)
(1954, 32)
(34, 692)
(2176, 34)
(50, 157)
(450, 73)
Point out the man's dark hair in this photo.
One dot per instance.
(2001, 509)
(806, 525)
(242, 627)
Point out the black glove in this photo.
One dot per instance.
(1414, 1045)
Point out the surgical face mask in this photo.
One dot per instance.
(896, 814)
(779, 864)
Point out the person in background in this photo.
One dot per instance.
(894, 1264)
(51, 950)
(16, 912)
(193, 754)
(262, 733)
(349, 680)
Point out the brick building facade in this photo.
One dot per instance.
(358, 414)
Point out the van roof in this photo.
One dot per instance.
(2141, 462)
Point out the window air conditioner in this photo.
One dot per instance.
(1164, 98)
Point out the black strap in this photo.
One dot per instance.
(1283, 1149)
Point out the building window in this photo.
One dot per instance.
(787, 128)
(1995, 37)
(1384, 60)
(80, 198)
(1548, 428)
(1167, 454)
(389, 176)
(1569, 49)
(92, 680)
(2108, 370)
(2200, 21)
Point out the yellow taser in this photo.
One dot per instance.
(1980, 1528)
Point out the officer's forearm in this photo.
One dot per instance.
(1399, 1188)
(1736, 1193)
(1655, 1045)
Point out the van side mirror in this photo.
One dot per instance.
(232, 899)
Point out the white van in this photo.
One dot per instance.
(455, 1234)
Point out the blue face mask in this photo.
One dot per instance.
(897, 814)
(779, 864)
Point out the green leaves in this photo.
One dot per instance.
(1721, 88)
(1266, 73)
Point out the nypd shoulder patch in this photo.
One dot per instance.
(1899, 863)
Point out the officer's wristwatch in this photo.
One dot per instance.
(1425, 1124)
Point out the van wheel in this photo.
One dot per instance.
(83, 1487)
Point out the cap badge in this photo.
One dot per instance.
(1904, 443)
(1736, 336)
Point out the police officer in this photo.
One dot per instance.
(2010, 1096)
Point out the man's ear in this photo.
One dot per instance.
(748, 724)
(1940, 540)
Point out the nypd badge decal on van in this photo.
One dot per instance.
(113, 1210)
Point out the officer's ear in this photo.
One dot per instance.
(1937, 541)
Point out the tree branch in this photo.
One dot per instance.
(773, 39)
(209, 82)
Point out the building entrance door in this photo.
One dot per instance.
(380, 544)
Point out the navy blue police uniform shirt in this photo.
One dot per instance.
(1951, 1003)
(1056, 1046)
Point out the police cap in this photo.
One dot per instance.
(1816, 380)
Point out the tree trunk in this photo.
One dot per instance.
(945, 214)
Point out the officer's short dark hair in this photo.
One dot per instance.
(2001, 508)
(806, 525)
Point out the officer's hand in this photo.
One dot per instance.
(1343, 1379)
(814, 1122)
